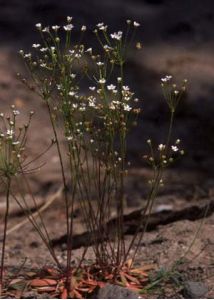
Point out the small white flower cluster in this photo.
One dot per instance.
(172, 94)
(136, 24)
(12, 142)
(121, 95)
(102, 26)
(108, 104)
(167, 154)
(167, 78)
(67, 27)
(174, 148)
(55, 27)
(117, 105)
(117, 35)
(127, 94)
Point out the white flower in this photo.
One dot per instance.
(46, 29)
(69, 19)
(127, 98)
(125, 88)
(92, 88)
(177, 141)
(174, 148)
(21, 52)
(103, 28)
(73, 75)
(107, 47)
(166, 78)
(99, 63)
(100, 25)
(119, 79)
(44, 49)
(55, 27)
(83, 28)
(117, 35)
(111, 87)
(89, 50)
(69, 138)
(28, 55)
(112, 106)
(127, 107)
(16, 112)
(39, 26)
(92, 101)
(161, 147)
(68, 27)
(36, 45)
(91, 141)
(82, 109)
(16, 143)
(10, 132)
(72, 93)
(102, 81)
(136, 24)
(128, 21)
(176, 92)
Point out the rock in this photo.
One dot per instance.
(30, 295)
(111, 291)
(194, 289)
(35, 295)
(44, 296)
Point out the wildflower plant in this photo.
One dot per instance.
(94, 125)
(160, 156)
(12, 163)
(15, 165)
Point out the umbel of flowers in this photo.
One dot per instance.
(95, 123)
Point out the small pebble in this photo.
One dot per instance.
(194, 289)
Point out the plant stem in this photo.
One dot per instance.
(68, 271)
(5, 233)
(170, 129)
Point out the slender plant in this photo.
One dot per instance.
(12, 163)
(93, 125)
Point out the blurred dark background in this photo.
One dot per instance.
(177, 38)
